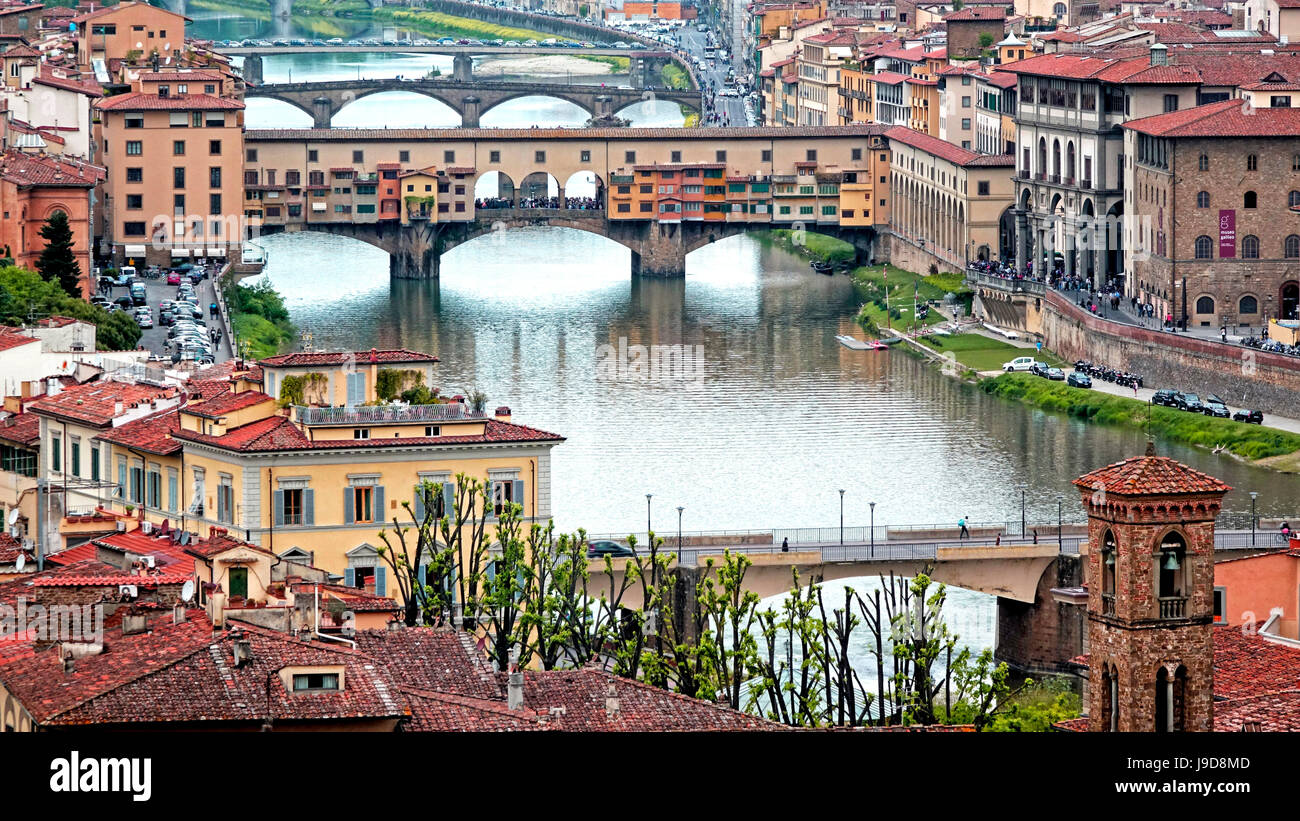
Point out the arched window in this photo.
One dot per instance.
(1250, 247)
(1205, 305)
(1042, 155)
(1203, 199)
(1056, 157)
(1059, 10)
(1069, 160)
(1171, 700)
(1252, 162)
(1109, 555)
(1248, 305)
(1291, 247)
(1109, 691)
(1204, 247)
(1171, 562)
(1293, 199)
(1203, 162)
(1249, 200)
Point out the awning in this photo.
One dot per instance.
(216, 252)
(180, 252)
(318, 206)
(134, 250)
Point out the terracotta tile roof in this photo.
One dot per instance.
(1277, 712)
(441, 660)
(1107, 69)
(151, 434)
(180, 673)
(1003, 79)
(1150, 475)
(179, 76)
(10, 338)
(1248, 665)
(944, 149)
(977, 13)
(219, 541)
(94, 402)
(434, 712)
(138, 101)
(357, 600)
(226, 403)
(21, 429)
(10, 548)
(47, 76)
(31, 169)
(889, 78)
(278, 433)
(1226, 118)
(677, 135)
(20, 49)
(300, 359)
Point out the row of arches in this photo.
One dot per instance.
(1249, 247)
(1064, 161)
(582, 190)
(406, 109)
(1170, 698)
(933, 216)
(1248, 305)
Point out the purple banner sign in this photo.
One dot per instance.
(1227, 234)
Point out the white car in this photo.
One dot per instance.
(1020, 363)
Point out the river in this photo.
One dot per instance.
(777, 421)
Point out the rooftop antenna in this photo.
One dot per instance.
(306, 336)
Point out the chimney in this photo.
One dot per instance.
(515, 689)
(611, 702)
(502, 414)
(243, 650)
(134, 623)
(1159, 54)
(67, 663)
(178, 613)
(117, 409)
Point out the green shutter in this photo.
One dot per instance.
(381, 581)
(378, 515)
(417, 505)
(449, 499)
(519, 495)
(308, 507)
(279, 507)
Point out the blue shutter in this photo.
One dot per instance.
(279, 507)
(348, 516)
(381, 581)
(417, 505)
(451, 581)
(221, 503)
(121, 478)
(350, 577)
(379, 511)
(491, 571)
(423, 567)
(171, 493)
(308, 507)
(519, 585)
(519, 495)
(449, 499)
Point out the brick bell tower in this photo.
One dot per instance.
(1150, 595)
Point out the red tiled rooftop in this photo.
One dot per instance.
(94, 402)
(151, 434)
(10, 549)
(278, 433)
(1226, 118)
(30, 169)
(139, 101)
(977, 13)
(1150, 475)
(21, 429)
(226, 403)
(302, 359)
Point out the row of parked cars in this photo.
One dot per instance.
(1028, 363)
(443, 41)
(1211, 405)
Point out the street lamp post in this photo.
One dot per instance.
(873, 528)
(1022, 512)
(679, 532)
(1253, 497)
(841, 516)
(648, 532)
(1060, 539)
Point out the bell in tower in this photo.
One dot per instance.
(1150, 595)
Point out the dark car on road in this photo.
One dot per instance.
(1189, 402)
(1252, 417)
(1214, 406)
(1165, 396)
(1079, 379)
(604, 547)
(1054, 374)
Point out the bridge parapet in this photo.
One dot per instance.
(1006, 284)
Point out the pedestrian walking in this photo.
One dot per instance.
(997, 540)
(965, 534)
(1035, 535)
(785, 545)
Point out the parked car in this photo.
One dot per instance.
(604, 547)
(144, 320)
(1054, 374)
(1020, 363)
(1165, 396)
(1189, 402)
(1038, 368)
(1079, 379)
(1213, 406)
(124, 302)
(173, 277)
(1251, 417)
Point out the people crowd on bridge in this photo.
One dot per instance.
(571, 203)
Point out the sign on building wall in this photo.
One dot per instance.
(1227, 234)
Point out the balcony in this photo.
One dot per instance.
(387, 414)
(1108, 604)
(1055, 179)
(1041, 176)
(1173, 607)
(1086, 185)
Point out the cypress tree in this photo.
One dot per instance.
(57, 262)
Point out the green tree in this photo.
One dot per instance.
(986, 40)
(26, 296)
(58, 263)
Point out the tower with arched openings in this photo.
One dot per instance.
(1150, 595)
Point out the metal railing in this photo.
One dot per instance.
(451, 411)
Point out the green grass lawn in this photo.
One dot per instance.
(445, 25)
(813, 245)
(985, 354)
(901, 283)
(1248, 441)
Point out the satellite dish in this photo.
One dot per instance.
(13, 516)
(139, 44)
(21, 562)
(187, 590)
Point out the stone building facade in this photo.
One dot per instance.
(1216, 193)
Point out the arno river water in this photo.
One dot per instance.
(779, 419)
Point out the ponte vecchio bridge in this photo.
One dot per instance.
(660, 192)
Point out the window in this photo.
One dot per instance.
(1203, 162)
(1249, 200)
(676, 156)
(1250, 247)
(766, 155)
(629, 156)
(358, 156)
(1293, 199)
(214, 204)
(94, 462)
(362, 504)
(811, 155)
(1204, 247)
(153, 488)
(449, 156)
(1220, 605)
(225, 501)
(293, 506)
(1171, 103)
(1248, 305)
(1291, 247)
(1205, 305)
(251, 154)
(503, 493)
(361, 433)
(720, 156)
(1203, 199)
(134, 202)
(307, 682)
(1252, 162)
(982, 188)
(178, 177)
(178, 148)
(311, 155)
(134, 148)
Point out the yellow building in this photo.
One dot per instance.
(419, 192)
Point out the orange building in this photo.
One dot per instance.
(657, 10)
(135, 30)
(191, 141)
(32, 188)
(1248, 590)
